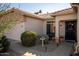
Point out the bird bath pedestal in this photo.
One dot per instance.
(42, 39)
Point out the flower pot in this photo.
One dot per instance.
(61, 39)
(57, 42)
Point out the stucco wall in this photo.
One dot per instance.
(39, 26)
(35, 25)
(44, 27)
(31, 24)
(16, 31)
(67, 17)
(78, 26)
(62, 29)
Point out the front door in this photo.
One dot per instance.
(70, 30)
(48, 28)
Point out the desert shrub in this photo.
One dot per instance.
(4, 44)
(28, 38)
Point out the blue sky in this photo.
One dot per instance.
(45, 7)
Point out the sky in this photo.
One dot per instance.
(45, 7)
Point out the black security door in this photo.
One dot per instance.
(70, 30)
(48, 28)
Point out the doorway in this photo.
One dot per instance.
(50, 29)
(70, 30)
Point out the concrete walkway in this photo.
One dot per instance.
(52, 50)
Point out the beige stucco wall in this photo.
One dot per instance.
(78, 26)
(60, 31)
(16, 31)
(39, 26)
(67, 17)
(44, 27)
(31, 24)
(35, 25)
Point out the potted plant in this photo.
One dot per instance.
(57, 42)
(61, 39)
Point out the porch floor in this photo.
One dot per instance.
(63, 49)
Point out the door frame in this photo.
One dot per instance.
(49, 30)
(75, 30)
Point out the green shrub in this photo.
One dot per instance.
(28, 38)
(4, 44)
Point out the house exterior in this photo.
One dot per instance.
(27, 22)
(61, 23)
(64, 23)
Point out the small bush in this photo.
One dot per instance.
(28, 38)
(4, 44)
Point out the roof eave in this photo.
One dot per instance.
(63, 12)
(74, 6)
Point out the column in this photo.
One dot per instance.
(78, 25)
(57, 30)
(77, 46)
